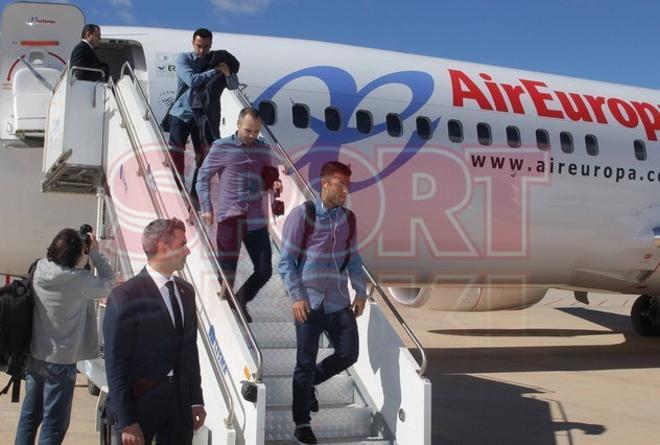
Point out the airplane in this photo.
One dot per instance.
(476, 187)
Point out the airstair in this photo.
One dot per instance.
(246, 368)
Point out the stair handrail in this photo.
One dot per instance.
(245, 102)
(122, 252)
(150, 115)
(158, 207)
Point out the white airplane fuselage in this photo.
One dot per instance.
(500, 207)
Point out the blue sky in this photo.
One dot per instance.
(609, 40)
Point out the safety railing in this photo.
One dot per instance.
(245, 102)
(160, 210)
(149, 115)
(107, 211)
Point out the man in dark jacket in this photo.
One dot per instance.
(199, 85)
(151, 358)
(83, 54)
(209, 93)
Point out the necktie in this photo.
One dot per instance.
(178, 320)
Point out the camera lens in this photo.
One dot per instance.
(84, 230)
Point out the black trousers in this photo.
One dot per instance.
(230, 234)
(201, 137)
(161, 416)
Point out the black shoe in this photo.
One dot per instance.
(314, 404)
(247, 315)
(240, 299)
(304, 435)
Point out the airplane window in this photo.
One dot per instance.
(332, 119)
(268, 112)
(364, 121)
(424, 129)
(566, 142)
(455, 130)
(592, 145)
(542, 140)
(513, 136)
(394, 126)
(483, 133)
(300, 114)
(640, 150)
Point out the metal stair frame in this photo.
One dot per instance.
(401, 411)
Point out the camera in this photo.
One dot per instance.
(277, 207)
(269, 175)
(85, 229)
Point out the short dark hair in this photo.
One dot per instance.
(89, 28)
(160, 230)
(249, 111)
(332, 167)
(203, 33)
(66, 248)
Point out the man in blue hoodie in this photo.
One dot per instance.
(319, 255)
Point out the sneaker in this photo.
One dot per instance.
(314, 404)
(304, 435)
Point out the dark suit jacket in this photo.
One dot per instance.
(141, 343)
(209, 93)
(83, 55)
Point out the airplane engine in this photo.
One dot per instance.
(468, 298)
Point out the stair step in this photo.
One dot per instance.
(272, 302)
(277, 309)
(336, 441)
(281, 362)
(279, 334)
(336, 391)
(330, 422)
(274, 334)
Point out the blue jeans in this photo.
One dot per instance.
(342, 331)
(48, 399)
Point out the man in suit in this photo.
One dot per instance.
(151, 357)
(83, 54)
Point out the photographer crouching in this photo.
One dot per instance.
(63, 331)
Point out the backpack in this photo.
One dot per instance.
(165, 122)
(310, 221)
(16, 305)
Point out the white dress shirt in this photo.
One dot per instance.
(161, 281)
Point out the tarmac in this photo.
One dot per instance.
(559, 372)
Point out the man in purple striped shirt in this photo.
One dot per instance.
(240, 161)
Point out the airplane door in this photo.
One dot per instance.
(43, 34)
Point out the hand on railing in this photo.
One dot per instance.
(207, 217)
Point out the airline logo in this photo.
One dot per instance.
(32, 21)
(490, 95)
(412, 193)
